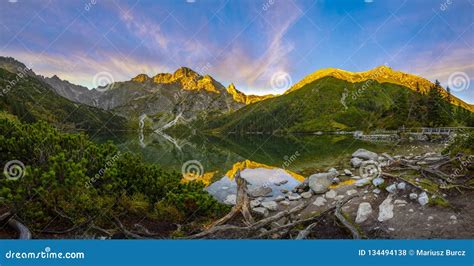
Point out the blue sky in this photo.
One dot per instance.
(245, 42)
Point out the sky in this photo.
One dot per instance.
(260, 46)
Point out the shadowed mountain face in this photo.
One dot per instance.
(31, 99)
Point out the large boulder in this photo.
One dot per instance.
(319, 183)
(365, 155)
(364, 211)
(355, 162)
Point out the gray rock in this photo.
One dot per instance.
(363, 212)
(255, 203)
(386, 209)
(320, 201)
(362, 182)
(400, 203)
(355, 162)
(282, 182)
(331, 194)
(306, 195)
(270, 205)
(376, 191)
(402, 185)
(413, 196)
(231, 199)
(347, 172)
(453, 217)
(294, 197)
(261, 211)
(392, 188)
(423, 199)
(339, 197)
(279, 198)
(356, 177)
(320, 183)
(336, 180)
(284, 191)
(365, 155)
(378, 181)
(260, 191)
(285, 203)
(333, 170)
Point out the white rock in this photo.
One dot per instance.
(285, 203)
(378, 181)
(413, 196)
(430, 218)
(392, 188)
(362, 182)
(351, 192)
(411, 210)
(400, 203)
(363, 212)
(365, 154)
(261, 211)
(333, 170)
(423, 199)
(402, 185)
(356, 162)
(336, 180)
(255, 203)
(453, 217)
(377, 191)
(331, 194)
(320, 201)
(231, 199)
(306, 195)
(356, 177)
(294, 197)
(270, 205)
(386, 209)
(347, 172)
(391, 229)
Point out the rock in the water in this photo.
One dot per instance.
(402, 185)
(362, 182)
(423, 199)
(356, 162)
(255, 203)
(364, 211)
(260, 191)
(386, 209)
(284, 191)
(331, 194)
(320, 183)
(347, 172)
(294, 197)
(270, 205)
(378, 181)
(392, 188)
(306, 195)
(281, 182)
(285, 203)
(320, 201)
(231, 199)
(413, 196)
(261, 211)
(365, 155)
(351, 192)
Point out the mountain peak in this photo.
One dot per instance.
(141, 78)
